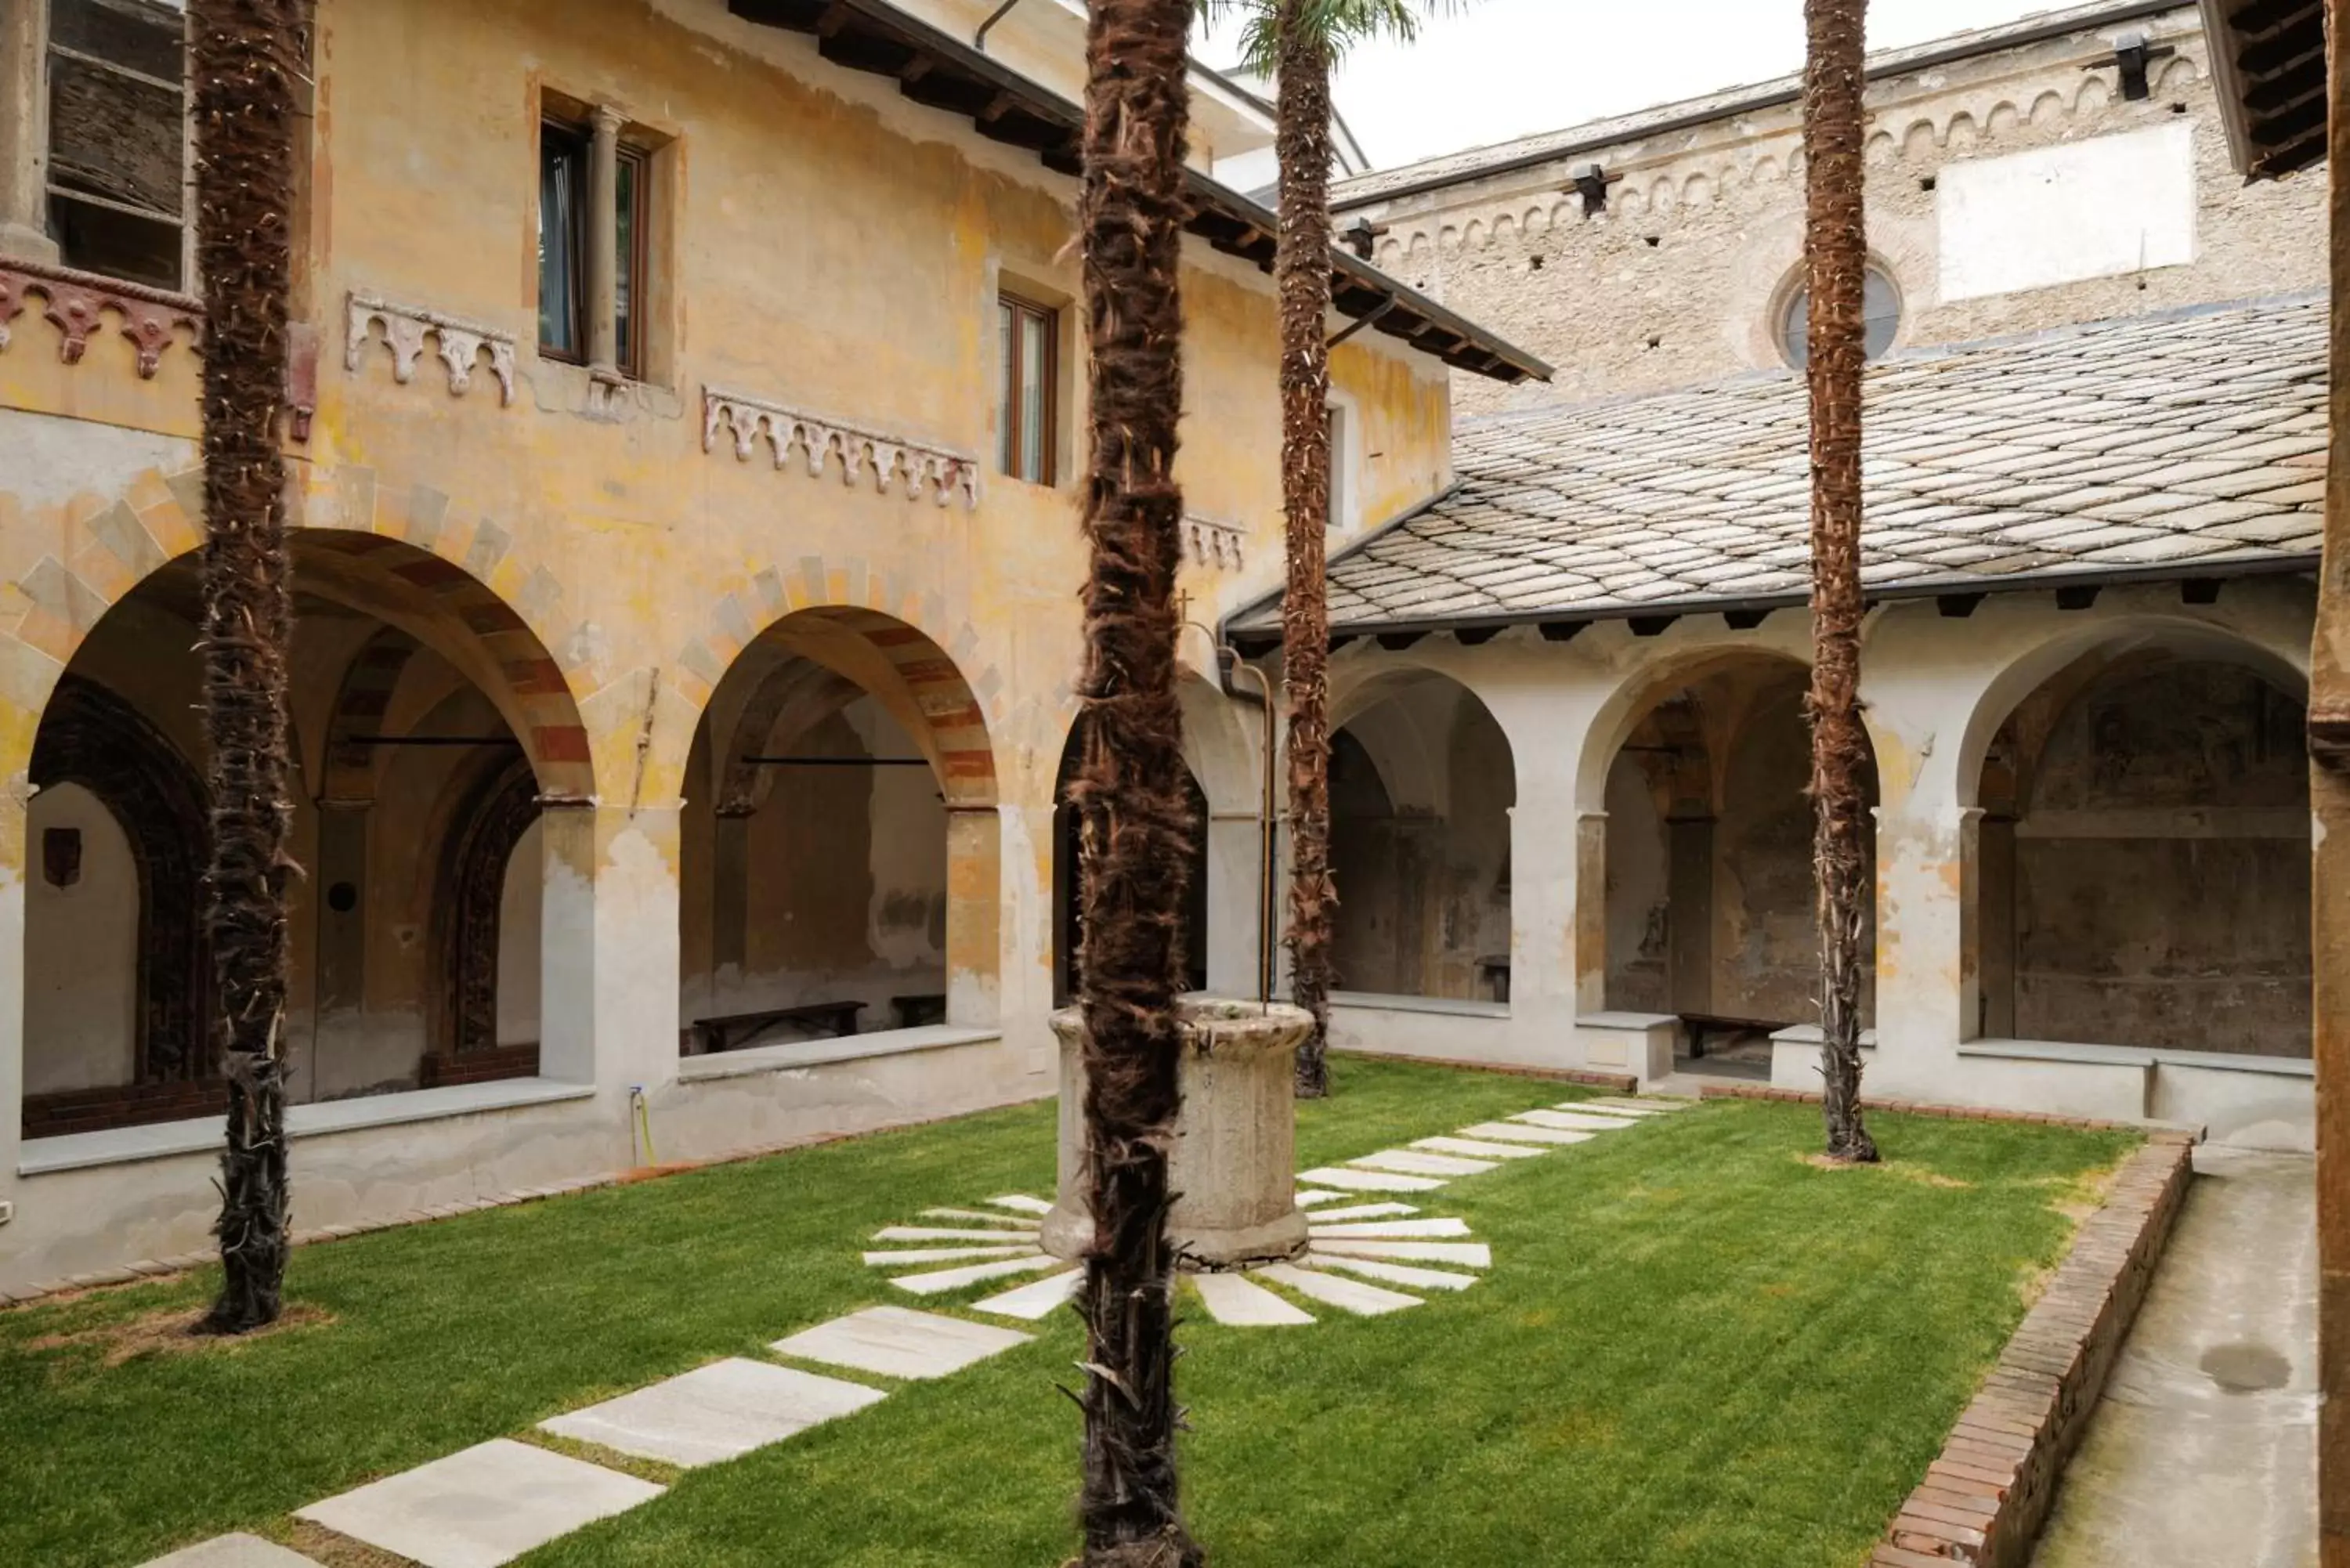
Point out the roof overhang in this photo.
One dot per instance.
(2268, 65)
(940, 71)
(1260, 636)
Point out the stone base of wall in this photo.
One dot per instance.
(1621, 1083)
(1984, 1500)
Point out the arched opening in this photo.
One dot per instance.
(1068, 926)
(1709, 899)
(840, 875)
(2144, 857)
(417, 683)
(1421, 787)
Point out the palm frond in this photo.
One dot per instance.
(1341, 25)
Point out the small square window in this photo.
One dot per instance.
(1027, 417)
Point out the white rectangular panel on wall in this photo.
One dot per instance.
(2105, 207)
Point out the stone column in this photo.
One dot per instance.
(1928, 955)
(25, 132)
(1545, 846)
(609, 933)
(604, 242)
(1590, 927)
(975, 925)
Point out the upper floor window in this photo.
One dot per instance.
(1027, 422)
(1880, 319)
(586, 227)
(118, 142)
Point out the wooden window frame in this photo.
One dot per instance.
(183, 221)
(1009, 392)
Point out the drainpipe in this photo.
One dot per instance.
(979, 40)
(1228, 664)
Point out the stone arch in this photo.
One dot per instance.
(2004, 119)
(491, 811)
(2140, 844)
(1702, 902)
(1472, 236)
(1506, 227)
(895, 901)
(2034, 666)
(1961, 133)
(2177, 75)
(360, 707)
(2047, 107)
(91, 737)
(1423, 785)
(407, 552)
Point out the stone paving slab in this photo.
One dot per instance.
(1472, 1254)
(896, 1343)
(1393, 1273)
(1034, 1302)
(982, 1217)
(1573, 1121)
(1311, 1199)
(1411, 1162)
(235, 1551)
(944, 1255)
(1390, 1230)
(1476, 1148)
(1346, 1295)
(1623, 1108)
(1022, 1204)
(1236, 1304)
(1373, 1180)
(715, 1413)
(1550, 1137)
(938, 1233)
(481, 1507)
(1360, 1211)
(945, 1279)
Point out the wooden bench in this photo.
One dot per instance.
(833, 1020)
(1701, 1024)
(920, 1010)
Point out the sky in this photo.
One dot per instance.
(1497, 69)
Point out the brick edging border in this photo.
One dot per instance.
(1984, 1500)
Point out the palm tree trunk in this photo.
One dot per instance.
(1136, 824)
(248, 58)
(1302, 272)
(1837, 247)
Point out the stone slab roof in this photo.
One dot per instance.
(2184, 444)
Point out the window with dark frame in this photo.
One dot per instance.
(1026, 416)
(118, 139)
(634, 225)
(567, 223)
(562, 240)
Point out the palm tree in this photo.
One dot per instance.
(1835, 245)
(1298, 42)
(248, 58)
(1135, 823)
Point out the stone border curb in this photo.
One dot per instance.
(1947, 1113)
(155, 1268)
(1984, 1500)
(1621, 1083)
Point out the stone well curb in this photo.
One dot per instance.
(1984, 1500)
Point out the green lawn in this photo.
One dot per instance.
(1693, 1348)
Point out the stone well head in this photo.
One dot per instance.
(1234, 1166)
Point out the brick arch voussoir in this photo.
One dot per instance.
(911, 629)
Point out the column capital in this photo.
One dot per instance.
(607, 121)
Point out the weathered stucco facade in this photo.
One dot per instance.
(2011, 155)
(550, 616)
